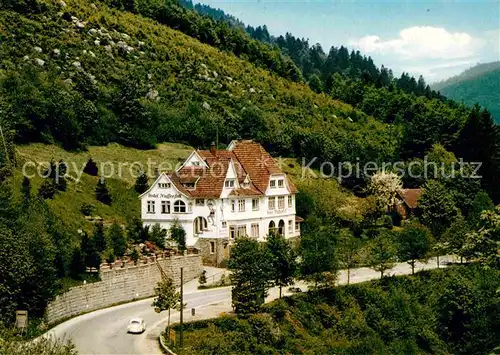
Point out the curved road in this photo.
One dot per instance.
(104, 332)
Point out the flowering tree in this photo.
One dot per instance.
(384, 186)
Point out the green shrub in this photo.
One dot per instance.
(87, 209)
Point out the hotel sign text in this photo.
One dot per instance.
(164, 195)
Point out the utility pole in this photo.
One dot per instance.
(217, 133)
(182, 308)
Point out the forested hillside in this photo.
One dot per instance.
(439, 312)
(77, 75)
(81, 74)
(317, 67)
(479, 84)
(111, 76)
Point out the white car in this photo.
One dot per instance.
(136, 326)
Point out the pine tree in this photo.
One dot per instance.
(92, 255)
(479, 141)
(102, 193)
(91, 168)
(178, 235)
(141, 183)
(26, 191)
(60, 178)
(157, 235)
(77, 265)
(99, 238)
(117, 239)
(135, 230)
(47, 189)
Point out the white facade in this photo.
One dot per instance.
(226, 216)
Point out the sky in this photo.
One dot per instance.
(436, 39)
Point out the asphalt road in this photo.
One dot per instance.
(105, 331)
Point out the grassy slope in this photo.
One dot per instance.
(327, 193)
(125, 200)
(172, 63)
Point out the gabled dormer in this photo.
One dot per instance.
(189, 182)
(162, 187)
(278, 184)
(231, 178)
(246, 183)
(193, 161)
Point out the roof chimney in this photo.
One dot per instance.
(212, 149)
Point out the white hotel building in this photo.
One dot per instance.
(219, 195)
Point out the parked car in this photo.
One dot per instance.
(136, 326)
(295, 289)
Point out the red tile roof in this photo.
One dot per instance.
(410, 196)
(249, 159)
(258, 163)
(245, 192)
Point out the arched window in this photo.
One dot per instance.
(281, 227)
(272, 228)
(200, 224)
(179, 206)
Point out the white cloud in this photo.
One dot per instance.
(421, 42)
(435, 72)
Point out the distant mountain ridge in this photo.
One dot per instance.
(479, 84)
(468, 74)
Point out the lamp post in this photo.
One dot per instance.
(182, 309)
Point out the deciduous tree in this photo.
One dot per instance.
(348, 251)
(483, 245)
(252, 274)
(167, 297)
(438, 209)
(284, 260)
(382, 252)
(384, 186)
(414, 243)
(318, 254)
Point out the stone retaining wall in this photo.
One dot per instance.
(121, 285)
